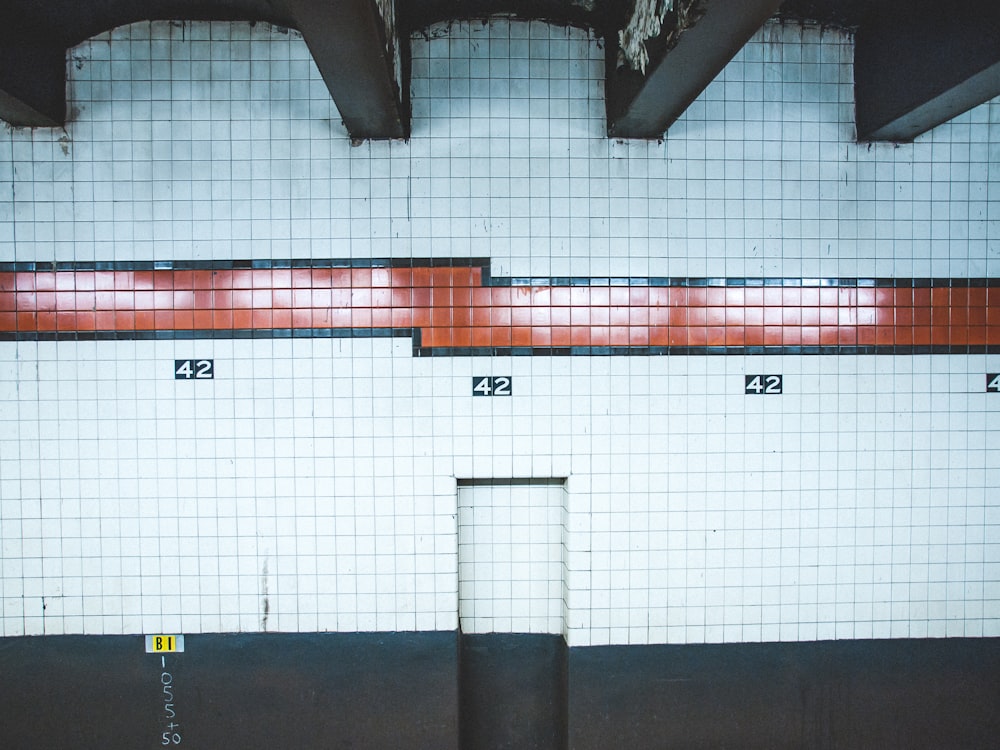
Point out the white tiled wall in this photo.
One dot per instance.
(311, 486)
(511, 570)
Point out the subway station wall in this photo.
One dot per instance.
(205, 204)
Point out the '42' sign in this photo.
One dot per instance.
(761, 384)
(194, 369)
(485, 385)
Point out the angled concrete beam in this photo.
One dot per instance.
(698, 39)
(357, 51)
(918, 64)
(32, 82)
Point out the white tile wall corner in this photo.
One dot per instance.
(311, 485)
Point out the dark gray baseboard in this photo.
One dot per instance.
(906, 693)
(444, 691)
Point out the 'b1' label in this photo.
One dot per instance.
(164, 644)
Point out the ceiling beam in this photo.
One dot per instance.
(32, 82)
(353, 47)
(690, 51)
(420, 14)
(918, 64)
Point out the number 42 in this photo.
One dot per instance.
(483, 385)
(760, 384)
(194, 369)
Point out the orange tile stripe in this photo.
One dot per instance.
(450, 308)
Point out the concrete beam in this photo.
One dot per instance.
(697, 40)
(918, 64)
(32, 82)
(358, 54)
(420, 14)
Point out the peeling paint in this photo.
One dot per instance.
(387, 9)
(646, 22)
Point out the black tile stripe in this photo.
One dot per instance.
(488, 351)
(498, 281)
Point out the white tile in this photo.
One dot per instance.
(856, 505)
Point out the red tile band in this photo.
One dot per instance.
(449, 309)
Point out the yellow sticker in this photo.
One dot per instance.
(164, 644)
